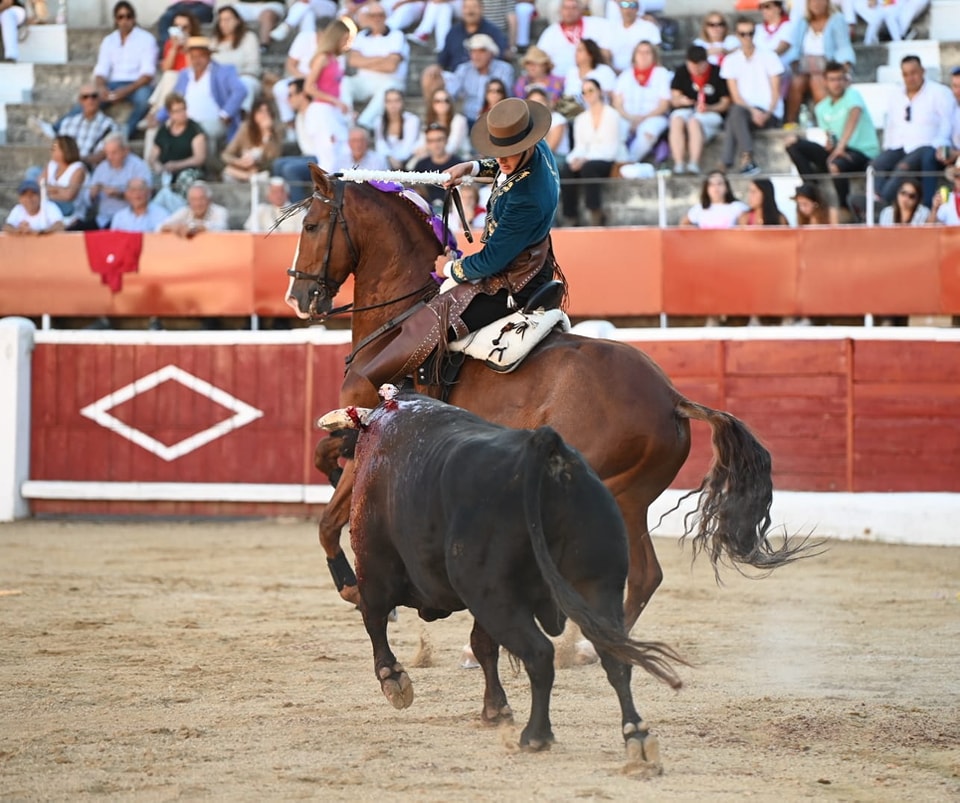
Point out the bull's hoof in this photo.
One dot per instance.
(396, 686)
(536, 744)
(497, 716)
(351, 594)
(643, 750)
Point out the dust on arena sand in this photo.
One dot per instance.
(193, 660)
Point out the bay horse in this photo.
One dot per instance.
(606, 399)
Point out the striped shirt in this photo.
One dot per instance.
(89, 134)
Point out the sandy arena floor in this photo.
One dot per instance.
(157, 661)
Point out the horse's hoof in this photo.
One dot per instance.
(536, 744)
(643, 752)
(397, 687)
(350, 594)
(497, 716)
(467, 659)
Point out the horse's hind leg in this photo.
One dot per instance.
(487, 652)
(645, 574)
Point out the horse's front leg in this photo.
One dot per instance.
(335, 515)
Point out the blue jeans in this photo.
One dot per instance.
(296, 171)
(201, 11)
(901, 165)
(140, 99)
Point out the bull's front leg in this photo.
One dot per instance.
(395, 683)
(335, 515)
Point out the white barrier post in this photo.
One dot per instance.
(16, 348)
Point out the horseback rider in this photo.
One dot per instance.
(517, 257)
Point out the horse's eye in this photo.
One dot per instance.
(311, 227)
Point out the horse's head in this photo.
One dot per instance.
(323, 259)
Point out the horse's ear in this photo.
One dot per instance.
(321, 181)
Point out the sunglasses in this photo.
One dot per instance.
(907, 113)
(89, 96)
(717, 24)
(441, 100)
(745, 34)
(627, 4)
(907, 194)
(123, 17)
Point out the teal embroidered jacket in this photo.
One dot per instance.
(519, 215)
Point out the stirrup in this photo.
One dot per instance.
(549, 296)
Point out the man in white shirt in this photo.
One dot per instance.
(301, 53)
(126, 65)
(918, 123)
(362, 156)
(379, 55)
(560, 39)
(199, 215)
(268, 212)
(753, 78)
(31, 215)
(628, 32)
(308, 127)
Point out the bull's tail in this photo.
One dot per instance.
(732, 517)
(655, 657)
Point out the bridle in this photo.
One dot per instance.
(325, 285)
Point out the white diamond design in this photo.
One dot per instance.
(99, 412)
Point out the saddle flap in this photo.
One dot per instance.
(505, 343)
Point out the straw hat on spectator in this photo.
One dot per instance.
(199, 42)
(535, 55)
(482, 41)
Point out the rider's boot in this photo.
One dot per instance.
(418, 337)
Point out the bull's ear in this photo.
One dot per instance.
(321, 181)
(344, 418)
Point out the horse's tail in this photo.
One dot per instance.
(548, 455)
(732, 517)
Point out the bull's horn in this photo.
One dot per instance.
(344, 418)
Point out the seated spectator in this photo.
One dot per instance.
(89, 127)
(468, 82)
(879, 14)
(213, 92)
(716, 39)
(907, 209)
(304, 15)
(126, 65)
(199, 215)
(762, 206)
(642, 97)
(918, 123)
(361, 155)
(558, 137)
(588, 63)
(271, 210)
(753, 80)
(140, 214)
(256, 145)
(475, 211)
(378, 57)
(397, 131)
(201, 9)
(328, 111)
(560, 40)
(596, 148)
(946, 203)
(32, 216)
(454, 51)
(775, 33)
(12, 16)
(812, 210)
(700, 99)
(308, 128)
(851, 136)
(494, 92)
(180, 147)
(265, 14)
(819, 37)
(538, 71)
(629, 30)
(173, 60)
(718, 207)
(108, 184)
(438, 160)
(297, 65)
(440, 109)
(234, 44)
(64, 177)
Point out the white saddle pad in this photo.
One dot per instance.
(504, 344)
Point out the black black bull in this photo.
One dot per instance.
(451, 512)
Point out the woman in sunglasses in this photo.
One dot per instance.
(715, 37)
(906, 209)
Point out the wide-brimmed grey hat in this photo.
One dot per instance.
(511, 126)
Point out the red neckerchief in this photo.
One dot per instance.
(643, 76)
(573, 33)
(776, 27)
(700, 81)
